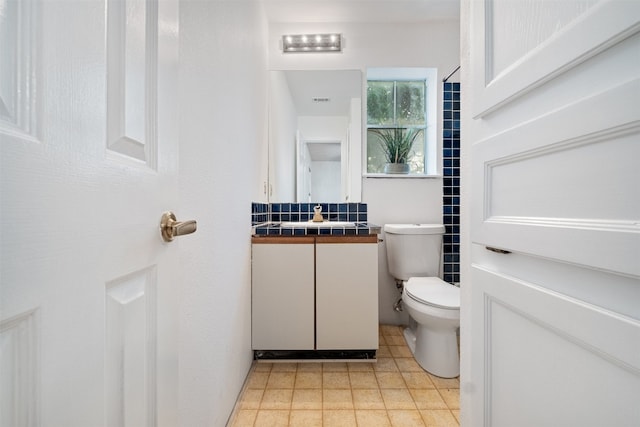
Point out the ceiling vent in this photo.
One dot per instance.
(320, 99)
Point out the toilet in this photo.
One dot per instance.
(413, 256)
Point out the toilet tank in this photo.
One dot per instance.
(413, 250)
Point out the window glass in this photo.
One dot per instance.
(376, 158)
(410, 103)
(380, 103)
(396, 104)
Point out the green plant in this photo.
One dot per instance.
(396, 142)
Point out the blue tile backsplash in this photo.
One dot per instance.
(265, 217)
(276, 212)
(451, 181)
(259, 213)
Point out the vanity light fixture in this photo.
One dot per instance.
(297, 43)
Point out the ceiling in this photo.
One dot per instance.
(324, 151)
(335, 88)
(361, 10)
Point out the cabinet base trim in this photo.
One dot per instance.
(309, 355)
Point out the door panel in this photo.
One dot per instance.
(551, 143)
(534, 338)
(521, 45)
(549, 188)
(88, 296)
(132, 64)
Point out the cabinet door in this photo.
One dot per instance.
(282, 297)
(346, 296)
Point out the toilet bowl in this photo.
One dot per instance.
(413, 257)
(434, 306)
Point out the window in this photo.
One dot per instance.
(399, 99)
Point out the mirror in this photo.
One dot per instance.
(315, 136)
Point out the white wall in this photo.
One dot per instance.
(323, 128)
(282, 139)
(325, 181)
(427, 44)
(222, 130)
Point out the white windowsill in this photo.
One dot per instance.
(401, 176)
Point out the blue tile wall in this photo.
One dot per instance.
(451, 181)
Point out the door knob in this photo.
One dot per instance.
(170, 228)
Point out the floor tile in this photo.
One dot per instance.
(337, 399)
(445, 382)
(244, 418)
(451, 397)
(339, 418)
(438, 418)
(408, 365)
(257, 380)
(334, 367)
(400, 351)
(376, 418)
(305, 419)
(385, 364)
(406, 418)
(397, 398)
(418, 380)
(383, 351)
(428, 399)
(272, 418)
(390, 330)
(276, 399)
(307, 399)
(395, 340)
(310, 367)
(335, 380)
(308, 380)
(250, 399)
(360, 366)
(363, 380)
(284, 367)
(367, 399)
(281, 380)
(263, 367)
(390, 380)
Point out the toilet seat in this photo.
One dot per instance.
(434, 292)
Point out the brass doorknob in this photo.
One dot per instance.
(170, 228)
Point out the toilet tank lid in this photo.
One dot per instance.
(414, 228)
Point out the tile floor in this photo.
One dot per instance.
(393, 392)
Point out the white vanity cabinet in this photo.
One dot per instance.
(346, 294)
(282, 293)
(315, 293)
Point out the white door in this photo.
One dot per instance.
(88, 303)
(551, 296)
